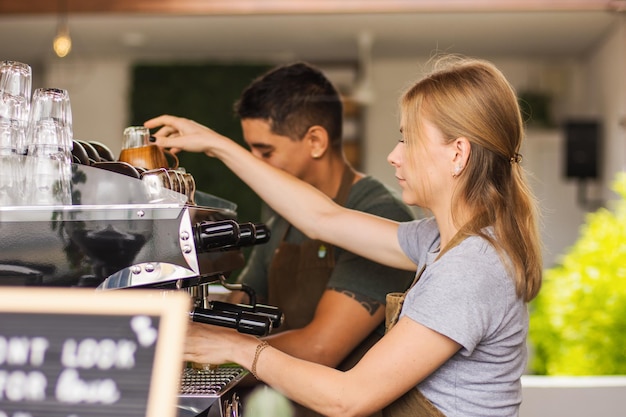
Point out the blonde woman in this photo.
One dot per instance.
(456, 344)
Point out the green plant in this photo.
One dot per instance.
(578, 320)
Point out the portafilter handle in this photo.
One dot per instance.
(273, 313)
(253, 234)
(242, 321)
(211, 235)
(227, 234)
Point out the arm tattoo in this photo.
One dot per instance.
(368, 303)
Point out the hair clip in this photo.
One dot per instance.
(515, 159)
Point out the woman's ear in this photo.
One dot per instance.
(462, 148)
(317, 139)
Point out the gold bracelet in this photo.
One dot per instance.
(257, 353)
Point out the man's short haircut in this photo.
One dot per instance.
(292, 98)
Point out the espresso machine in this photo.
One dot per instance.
(114, 237)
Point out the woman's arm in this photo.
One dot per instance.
(301, 204)
(405, 356)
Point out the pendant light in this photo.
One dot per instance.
(62, 42)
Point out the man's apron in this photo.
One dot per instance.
(298, 276)
(413, 403)
(299, 273)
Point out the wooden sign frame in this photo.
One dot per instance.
(171, 307)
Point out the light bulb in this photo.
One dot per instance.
(62, 43)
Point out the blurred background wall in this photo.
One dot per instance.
(577, 66)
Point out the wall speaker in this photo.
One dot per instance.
(582, 149)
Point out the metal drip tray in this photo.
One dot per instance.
(202, 390)
(210, 383)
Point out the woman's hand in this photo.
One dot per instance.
(213, 344)
(180, 134)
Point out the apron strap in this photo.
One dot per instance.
(395, 301)
(347, 178)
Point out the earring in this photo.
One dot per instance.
(457, 170)
(316, 156)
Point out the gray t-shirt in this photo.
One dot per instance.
(468, 296)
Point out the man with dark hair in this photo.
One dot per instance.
(333, 300)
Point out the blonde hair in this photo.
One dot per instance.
(471, 98)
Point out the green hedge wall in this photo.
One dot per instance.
(206, 93)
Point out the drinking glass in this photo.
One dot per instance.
(12, 134)
(135, 137)
(15, 92)
(139, 152)
(11, 177)
(47, 181)
(49, 142)
(50, 123)
(11, 180)
(11, 163)
(16, 79)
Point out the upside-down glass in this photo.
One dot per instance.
(50, 123)
(11, 178)
(139, 152)
(135, 137)
(49, 148)
(15, 91)
(15, 95)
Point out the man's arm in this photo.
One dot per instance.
(341, 322)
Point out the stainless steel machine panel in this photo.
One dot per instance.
(110, 230)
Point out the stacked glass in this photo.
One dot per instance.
(15, 90)
(49, 149)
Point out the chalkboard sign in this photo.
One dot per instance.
(85, 353)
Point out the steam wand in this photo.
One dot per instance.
(240, 287)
